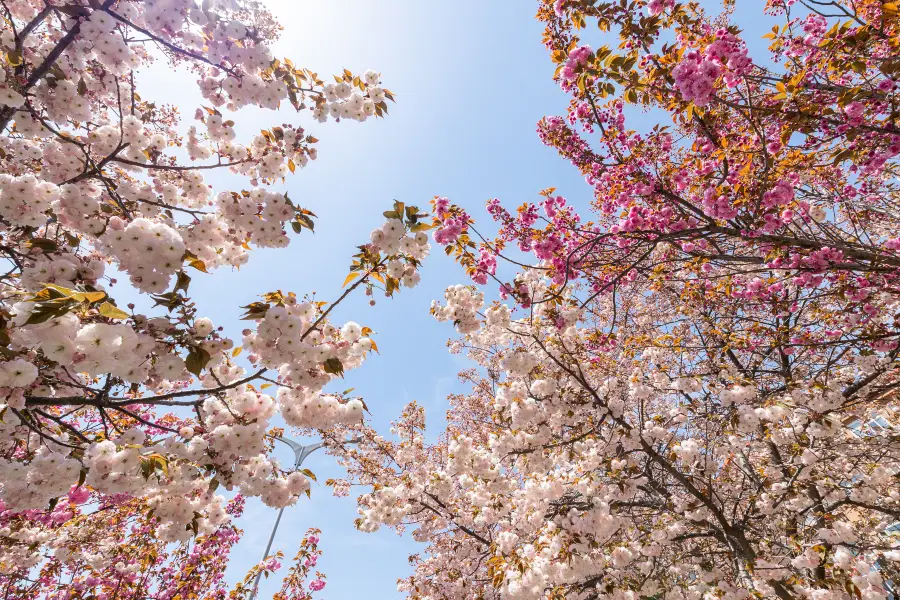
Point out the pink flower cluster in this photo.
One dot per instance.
(717, 206)
(658, 6)
(758, 288)
(814, 27)
(854, 112)
(487, 265)
(780, 195)
(528, 216)
(555, 133)
(696, 74)
(820, 260)
(577, 59)
(451, 226)
(730, 52)
(695, 77)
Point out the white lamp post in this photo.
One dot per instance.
(300, 454)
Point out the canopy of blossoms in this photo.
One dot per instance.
(117, 425)
(687, 392)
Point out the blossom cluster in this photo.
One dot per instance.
(697, 73)
(117, 395)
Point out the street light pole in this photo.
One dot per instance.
(300, 454)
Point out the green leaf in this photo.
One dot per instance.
(255, 310)
(305, 221)
(111, 311)
(89, 296)
(198, 264)
(420, 227)
(391, 214)
(49, 293)
(62, 290)
(42, 244)
(72, 240)
(196, 360)
(195, 262)
(334, 366)
(14, 58)
(170, 300)
(392, 285)
(50, 310)
(52, 291)
(182, 282)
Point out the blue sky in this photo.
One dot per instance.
(471, 80)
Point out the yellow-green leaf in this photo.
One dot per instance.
(14, 58)
(198, 264)
(334, 366)
(197, 358)
(90, 297)
(111, 311)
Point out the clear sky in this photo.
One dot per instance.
(471, 80)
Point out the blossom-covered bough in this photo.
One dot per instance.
(118, 423)
(122, 556)
(688, 394)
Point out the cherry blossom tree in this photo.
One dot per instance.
(119, 423)
(687, 394)
(125, 558)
